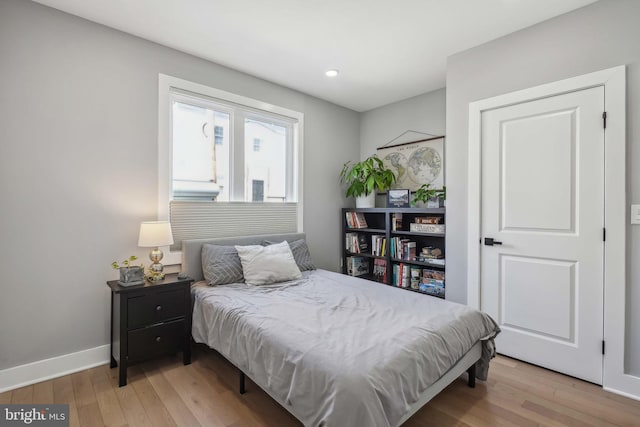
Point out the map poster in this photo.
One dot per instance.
(416, 163)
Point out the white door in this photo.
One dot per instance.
(543, 204)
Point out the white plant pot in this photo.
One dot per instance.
(368, 201)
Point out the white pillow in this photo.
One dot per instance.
(262, 265)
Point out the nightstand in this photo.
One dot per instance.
(150, 320)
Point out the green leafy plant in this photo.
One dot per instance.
(126, 263)
(362, 178)
(425, 192)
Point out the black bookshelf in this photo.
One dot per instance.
(380, 221)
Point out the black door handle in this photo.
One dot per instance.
(488, 241)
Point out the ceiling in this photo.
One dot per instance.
(386, 51)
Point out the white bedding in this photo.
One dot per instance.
(338, 350)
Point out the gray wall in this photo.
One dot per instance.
(602, 35)
(78, 168)
(422, 113)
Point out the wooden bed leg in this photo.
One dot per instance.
(242, 390)
(472, 375)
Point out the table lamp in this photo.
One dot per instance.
(154, 234)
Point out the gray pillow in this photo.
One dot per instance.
(221, 265)
(300, 252)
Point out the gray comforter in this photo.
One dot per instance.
(337, 350)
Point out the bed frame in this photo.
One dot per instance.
(192, 267)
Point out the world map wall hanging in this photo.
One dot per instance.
(415, 162)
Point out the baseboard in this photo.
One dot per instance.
(621, 393)
(42, 370)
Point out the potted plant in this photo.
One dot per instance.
(363, 178)
(430, 197)
(129, 274)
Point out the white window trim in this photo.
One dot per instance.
(165, 85)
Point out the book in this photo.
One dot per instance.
(406, 276)
(432, 288)
(415, 277)
(427, 228)
(357, 266)
(380, 270)
(396, 222)
(349, 242)
(396, 270)
(428, 274)
(355, 220)
(410, 250)
(428, 220)
(363, 243)
(349, 219)
(360, 221)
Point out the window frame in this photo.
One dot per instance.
(169, 85)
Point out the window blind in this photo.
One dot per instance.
(206, 219)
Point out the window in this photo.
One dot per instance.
(203, 160)
(223, 159)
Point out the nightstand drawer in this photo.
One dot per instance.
(153, 308)
(160, 339)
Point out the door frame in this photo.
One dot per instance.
(614, 328)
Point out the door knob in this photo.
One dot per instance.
(488, 241)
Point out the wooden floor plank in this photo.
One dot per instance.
(5, 398)
(89, 415)
(156, 411)
(63, 393)
(433, 417)
(108, 403)
(22, 395)
(82, 389)
(201, 399)
(165, 392)
(43, 392)
(230, 398)
(131, 406)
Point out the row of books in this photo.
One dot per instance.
(415, 277)
(356, 220)
(402, 248)
(356, 243)
(378, 245)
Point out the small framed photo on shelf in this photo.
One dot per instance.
(398, 198)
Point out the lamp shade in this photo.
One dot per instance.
(154, 234)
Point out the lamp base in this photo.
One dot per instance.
(155, 277)
(156, 269)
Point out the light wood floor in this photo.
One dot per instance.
(166, 393)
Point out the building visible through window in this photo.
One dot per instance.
(218, 134)
(215, 159)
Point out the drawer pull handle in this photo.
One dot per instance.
(158, 339)
(158, 307)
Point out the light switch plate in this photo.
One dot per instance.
(635, 214)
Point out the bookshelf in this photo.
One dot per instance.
(378, 244)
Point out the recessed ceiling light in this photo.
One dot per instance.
(331, 73)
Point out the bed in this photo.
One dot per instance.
(336, 350)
